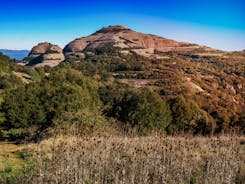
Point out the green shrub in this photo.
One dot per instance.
(187, 116)
(142, 108)
(84, 122)
(40, 103)
(12, 134)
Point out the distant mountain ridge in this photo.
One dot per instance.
(15, 54)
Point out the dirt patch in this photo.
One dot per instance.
(137, 83)
(194, 86)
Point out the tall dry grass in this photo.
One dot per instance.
(154, 159)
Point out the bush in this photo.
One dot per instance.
(142, 108)
(12, 134)
(8, 81)
(187, 116)
(22, 107)
(84, 122)
(40, 103)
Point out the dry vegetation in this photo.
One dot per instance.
(9, 157)
(152, 159)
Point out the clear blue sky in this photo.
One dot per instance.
(216, 23)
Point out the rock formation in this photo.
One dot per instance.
(127, 39)
(44, 54)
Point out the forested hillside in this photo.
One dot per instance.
(110, 90)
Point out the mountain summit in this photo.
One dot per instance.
(113, 29)
(127, 39)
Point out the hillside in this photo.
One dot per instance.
(213, 79)
(119, 78)
(120, 106)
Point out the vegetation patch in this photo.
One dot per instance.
(12, 158)
(150, 159)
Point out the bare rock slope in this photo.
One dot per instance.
(44, 54)
(127, 39)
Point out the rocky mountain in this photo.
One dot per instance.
(146, 45)
(15, 54)
(44, 54)
(213, 80)
(122, 37)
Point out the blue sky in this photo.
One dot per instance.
(216, 23)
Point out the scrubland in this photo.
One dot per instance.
(122, 159)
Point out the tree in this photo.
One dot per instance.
(41, 102)
(22, 107)
(2, 117)
(187, 116)
(138, 108)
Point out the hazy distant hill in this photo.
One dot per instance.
(15, 54)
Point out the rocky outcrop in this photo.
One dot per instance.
(44, 54)
(127, 39)
(147, 45)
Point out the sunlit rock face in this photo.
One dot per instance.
(125, 38)
(44, 54)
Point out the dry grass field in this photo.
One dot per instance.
(151, 159)
(9, 157)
